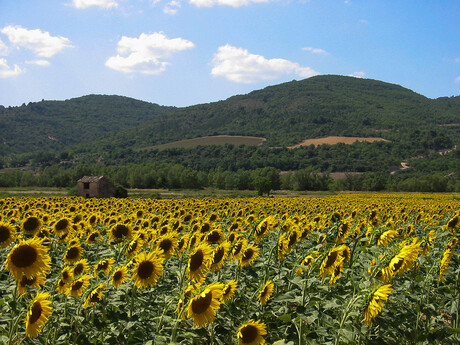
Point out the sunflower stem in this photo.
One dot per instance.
(457, 317)
(12, 332)
(179, 318)
(133, 295)
(346, 312)
(267, 266)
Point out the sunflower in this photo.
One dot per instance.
(29, 258)
(39, 312)
(249, 255)
(76, 287)
(306, 262)
(31, 225)
(62, 286)
(202, 308)
(7, 235)
(375, 302)
(199, 263)
(262, 229)
(401, 262)
(36, 282)
(292, 239)
(215, 236)
(453, 223)
(182, 244)
(134, 247)
(119, 276)
(73, 254)
(80, 267)
(219, 256)
(67, 274)
(119, 232)
(104, 265)
(168, 245)
(229, 290)
(336, 273)
(444, 265)
(332, 259)
(343, 231)
(189, 290)
(251, 333)
(238, 248)
(147, 269)
(62, 227)
(282, 246)
(95, 296)
(386, 237)
(266, 292)
(93, 237)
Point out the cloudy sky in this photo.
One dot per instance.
(185, 52)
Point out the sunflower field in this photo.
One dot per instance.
(343, 269)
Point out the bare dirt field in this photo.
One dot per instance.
(334, 140)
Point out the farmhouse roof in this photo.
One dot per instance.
(87, 179)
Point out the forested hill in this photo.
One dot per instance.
(288, 113)
(284, 114)
(57, 125)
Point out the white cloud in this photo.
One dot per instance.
(238, 65)
(315, 50)
(145, 54)
(357, 74)
(232, 3)
(38, 62)
(41, 42)
(81, 4)
(6, 71)
(457, 60)
(172, 7)
(457, 79)
(363, 21)
(3, 48)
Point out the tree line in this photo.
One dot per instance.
(263, 180)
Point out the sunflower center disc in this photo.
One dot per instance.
(331, 259)
(165, 245)
(4, 233)
(72, 253)
(61, 225)
(145, 269)
(218, 255)
(201, 304)
(36, 312)
(196, 260)
(249, 334)
(24, 256)
(31, 224)
(117, 276)
(120, 231)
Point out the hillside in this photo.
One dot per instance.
(119, 130)
(289, 113)
(57, 125)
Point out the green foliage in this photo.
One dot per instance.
(263, 185)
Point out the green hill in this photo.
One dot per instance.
(288, 113)
(58, 125)
(118, 130)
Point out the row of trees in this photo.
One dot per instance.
(264, 180)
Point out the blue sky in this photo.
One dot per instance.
(186, 52)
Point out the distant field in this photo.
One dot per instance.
(334, 140)
(211, 140)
